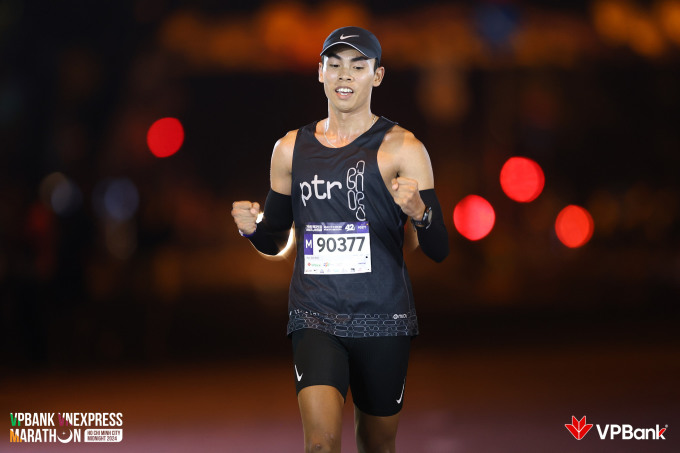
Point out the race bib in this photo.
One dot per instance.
(337, 248)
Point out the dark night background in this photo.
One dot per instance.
(119, 268)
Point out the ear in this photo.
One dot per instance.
(379, 75)
(321, 72)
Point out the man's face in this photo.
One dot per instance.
(348, 78)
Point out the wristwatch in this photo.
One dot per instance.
(426, 221)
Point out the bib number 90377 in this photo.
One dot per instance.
(337, 248)
(340, 244)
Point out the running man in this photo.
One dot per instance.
(349, 183)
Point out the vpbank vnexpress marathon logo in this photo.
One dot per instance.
(44, 427)
(579, 429)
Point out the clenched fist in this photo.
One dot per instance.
(406, 195)
(245, 215)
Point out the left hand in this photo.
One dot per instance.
(406, 195)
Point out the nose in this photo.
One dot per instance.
(345, 74)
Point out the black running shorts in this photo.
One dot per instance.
(373, 367)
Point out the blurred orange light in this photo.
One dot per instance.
(474, 217)
(574, 226)
(668, 16)
(611, 20)
(522, 179)
(645, 37)
(165, 137)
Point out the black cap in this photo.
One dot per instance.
(361, 39)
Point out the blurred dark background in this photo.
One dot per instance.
(112, 258)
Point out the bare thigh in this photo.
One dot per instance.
(375, 434)
(321, 412)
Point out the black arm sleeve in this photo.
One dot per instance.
(434, 240)
(272, 231)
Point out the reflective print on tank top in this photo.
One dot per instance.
(343, 186)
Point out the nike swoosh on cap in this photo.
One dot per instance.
(343, 37)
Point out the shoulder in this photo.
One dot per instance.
(409, 156)
(403, 143)
(285, 144)
(283, 148)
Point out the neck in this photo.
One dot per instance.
(342, 128)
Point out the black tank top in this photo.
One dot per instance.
(344, 185)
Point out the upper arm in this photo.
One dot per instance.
(282, 164)
(414, 162)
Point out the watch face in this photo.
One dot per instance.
(426, 220)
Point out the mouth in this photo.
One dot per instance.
(344, 92)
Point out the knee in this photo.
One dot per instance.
(317, 447)
(322, 443)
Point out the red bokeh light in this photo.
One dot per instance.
(522, 179)
(474, 217)
(574, 226)
(165, 137)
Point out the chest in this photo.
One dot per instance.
(322, 174)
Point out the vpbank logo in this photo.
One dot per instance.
(578, 428)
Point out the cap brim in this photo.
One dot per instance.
(347, 44)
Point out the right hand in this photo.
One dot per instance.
(245, 215)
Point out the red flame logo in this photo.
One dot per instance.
(578, 428)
